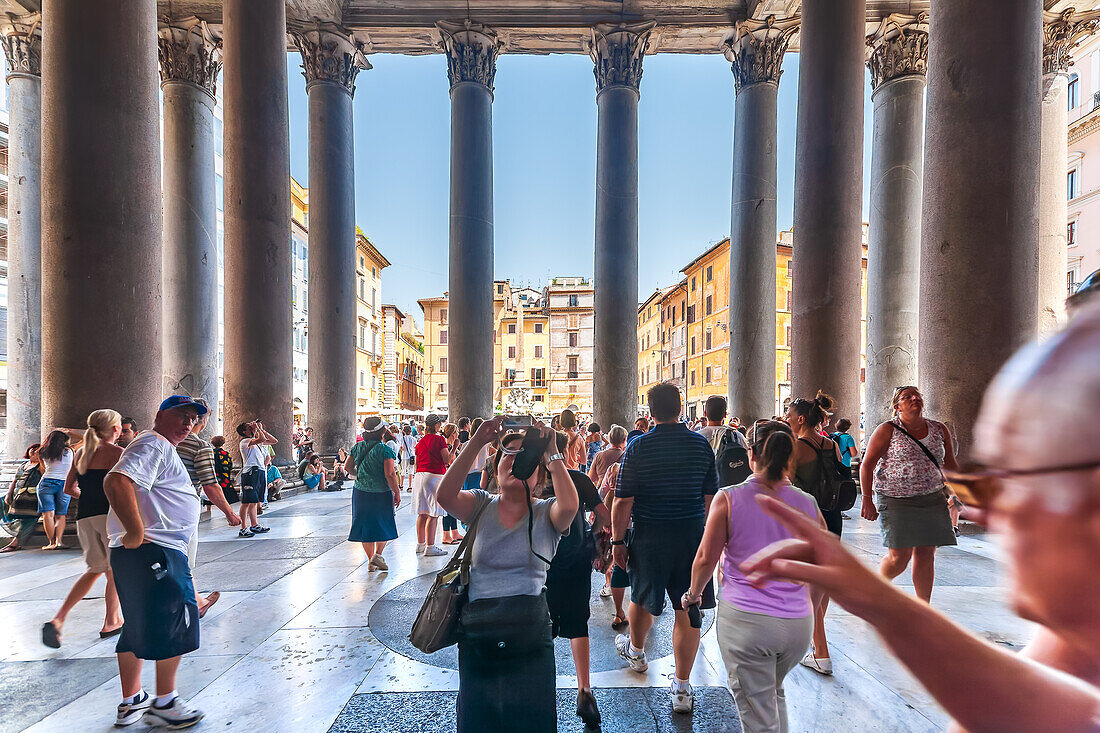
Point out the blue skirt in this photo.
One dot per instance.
(372, 517)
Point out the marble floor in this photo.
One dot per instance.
(307, 638)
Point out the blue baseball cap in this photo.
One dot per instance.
(182, 400)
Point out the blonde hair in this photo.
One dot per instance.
(448, 430)
(100, 424)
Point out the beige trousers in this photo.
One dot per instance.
(758, 651)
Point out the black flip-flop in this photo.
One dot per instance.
(51, 635)
(109, 634)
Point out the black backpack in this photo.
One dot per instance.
(837, 490)
(731, 459)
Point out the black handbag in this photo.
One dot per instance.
(436, 625)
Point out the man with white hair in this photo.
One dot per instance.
(1038, 435)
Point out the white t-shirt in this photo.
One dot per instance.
(253, 455)
(408, 446)
(59, 469)
(713, 433)
(168, 504)
(392, 444)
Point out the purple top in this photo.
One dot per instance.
(750, 531)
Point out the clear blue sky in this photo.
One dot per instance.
(544, 160)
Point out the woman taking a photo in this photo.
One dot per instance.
(506, 653)
(762, 632)
(376, 493)
(903, 465)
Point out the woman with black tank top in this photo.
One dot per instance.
(806, 418)
(98, 455)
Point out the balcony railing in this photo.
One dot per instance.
(571, 375)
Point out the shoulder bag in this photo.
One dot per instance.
(436, 625)
(921, 445)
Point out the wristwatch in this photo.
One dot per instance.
(618, 543)
(555, 457)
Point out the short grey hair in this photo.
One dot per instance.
(617, 434)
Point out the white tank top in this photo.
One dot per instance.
(59, 469)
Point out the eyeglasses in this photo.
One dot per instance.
(979, 486)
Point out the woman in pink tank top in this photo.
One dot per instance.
(762, 632)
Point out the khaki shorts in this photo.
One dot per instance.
(92, 533)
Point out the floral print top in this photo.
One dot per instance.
(223, 467)
(905, 471)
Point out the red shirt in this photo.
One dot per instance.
(429, 453)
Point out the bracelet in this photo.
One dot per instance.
(618, 543)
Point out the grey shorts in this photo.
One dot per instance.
(92, 533)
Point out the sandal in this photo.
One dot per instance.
(210, 601)
(51, 635)
(13, 547)
(618, 622)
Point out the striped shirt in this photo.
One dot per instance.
(198, 458)
(668, 472)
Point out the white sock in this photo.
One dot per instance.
(163, 700)
(133, 698)
(635, 651)
(681, 685)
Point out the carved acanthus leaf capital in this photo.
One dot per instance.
(330, 53)
(472, 50)
(1063, 32)
(22, 41)
(898, 48)
(189, 50)
(617, 53)
(756, 49)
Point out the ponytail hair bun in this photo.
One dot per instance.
(773, 446)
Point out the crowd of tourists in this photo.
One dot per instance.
(747, 519)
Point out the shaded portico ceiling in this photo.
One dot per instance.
(540, 26)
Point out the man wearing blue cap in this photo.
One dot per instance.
(154, 513)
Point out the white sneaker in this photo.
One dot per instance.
(176, 716)
(434, 551)
(605, 592)
(637, 663)
(420, 547)
(131, 712)
(821, 666)
(683, 700)
(378, 562)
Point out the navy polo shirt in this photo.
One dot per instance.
(668, 472)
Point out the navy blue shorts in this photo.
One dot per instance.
(659, 561)
(619, 577)
(253, 485)
(158, 604)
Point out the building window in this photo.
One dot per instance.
(443, 337)
(574, 339)
(362, 289)
(442, 365)
(362, 378)
(710, 273)
(362, 336)
(538, 377)
(787, 372)
(500, 288)
(574, 301)
(788, 335)
(374, 298)
(538, 398)
(1073, 181)
(710, 305)
(511, 352)
(1071, 234)
(442, 315)
(511, 328)
(538, 351)
(362, 262)
(538, 328)
(572, 367)
(788, 300)
(692, 377)
(693, 346)
(374, 341)
(373, 271)
(693, 285)
(709, 342)
(1073, 91)
(574, 320)
(691, 314)
(706, 378)
(509, 377)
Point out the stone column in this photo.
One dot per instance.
(22, 41)
(190, 59)
(257, 317)
(980, 218)
(828, 205)
(617, 52)
(899, 57)
(756, 52)
(331, 59)
(1061, 34)
(101, 211)
(472, 52)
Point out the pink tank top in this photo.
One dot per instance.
(750, 531)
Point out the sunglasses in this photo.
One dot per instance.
(979, 486)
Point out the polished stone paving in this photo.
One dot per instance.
(307, 638)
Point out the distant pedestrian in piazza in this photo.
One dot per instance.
(464, 430)
(609, 455)
(376, 494)
(154, 513)
(574, 451)
(593, 444)
(432, 459)
(450, 433)
(92, 461)
(253, 475)
(407, 454)
(667, 481)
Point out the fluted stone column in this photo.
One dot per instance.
(980, 216)
(331, 59)
(899, 57)
(1061, 34)
(257, 318)
(101, 210)
(22, 41)
(756, 53)
(471, 66)
(828, 205)
(190, 59)
(617, 52)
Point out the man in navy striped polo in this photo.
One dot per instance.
(666, 482)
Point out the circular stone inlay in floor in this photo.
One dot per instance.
(392, 615)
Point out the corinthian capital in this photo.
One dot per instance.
(329, 54)
(1062, 32)
(898, 48)
(617, 53)
(756, 48)
(189, 51)
(22, 41)
(472, 50)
